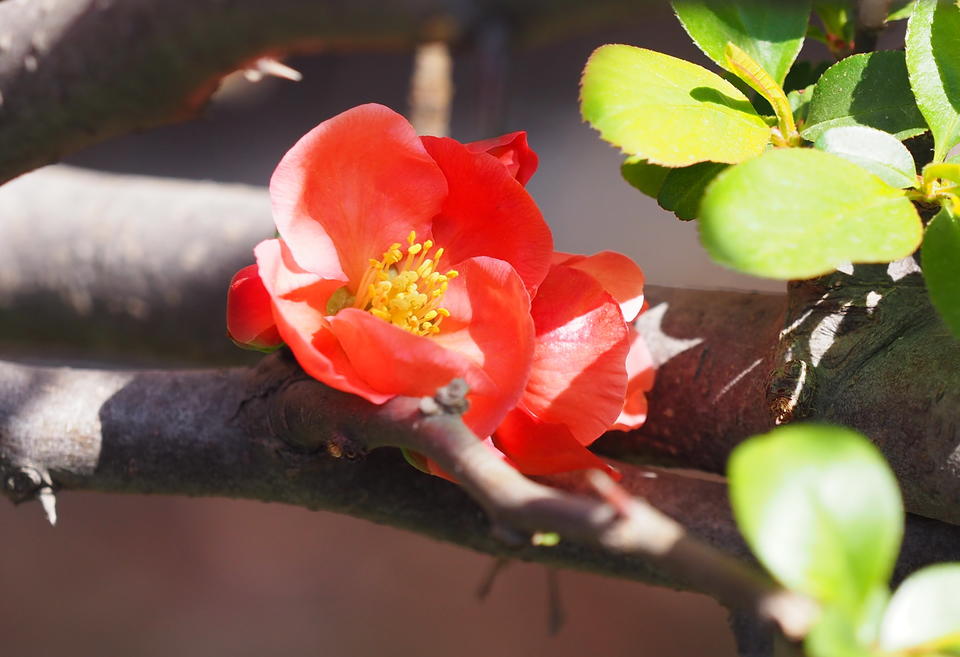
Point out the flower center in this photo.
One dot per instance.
(405, 289)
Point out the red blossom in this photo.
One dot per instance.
(591, 369)
(513, 152)
(360, 203)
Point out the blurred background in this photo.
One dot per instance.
(141, 576)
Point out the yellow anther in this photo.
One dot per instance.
(404, 288)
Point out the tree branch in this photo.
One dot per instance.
(274, 434)
(128, 266)
(64, 85)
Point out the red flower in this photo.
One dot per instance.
(590, 369)
(402, 263)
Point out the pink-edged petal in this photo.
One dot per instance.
(616, 273)
(538, 448)
(513, 151)
(490, 323)
(249, 312)
(352, 186)
(488, 213)
(640, 378)
(578, 378)
(299, 302)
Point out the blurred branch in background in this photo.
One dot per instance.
(75, 72)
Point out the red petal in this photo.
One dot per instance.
(488, 213)
(513, 152)
(640, 377)
(299, 302)
(616, 273)
(352, 186)
(393, 361)
(249, 313)
(578, 378)
(490, 323)
(538, 448)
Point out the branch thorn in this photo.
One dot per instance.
(268, 66)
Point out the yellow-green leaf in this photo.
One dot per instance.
(668, 111)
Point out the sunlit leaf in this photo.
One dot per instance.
(821, 510)
(668, 111)
(940, 260)
(900, 9)
(878, 152)
(770, 32)
(799, 213)
(870, 89)
(924, 613)
(933, 59)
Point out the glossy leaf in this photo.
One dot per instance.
(871, 89)
(924, 613)
(945, 170)
(821, 510)
(646, 177)
(770, 32)
(940, 260)
(878, 152)
(933, 59)
(900, 9)
(668, 111)
(683, 188)
(799, 213)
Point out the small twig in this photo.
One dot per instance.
(632, 527)
(497, 566)
(555, 614)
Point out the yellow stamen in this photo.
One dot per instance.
(406, 289)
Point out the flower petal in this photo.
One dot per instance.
(616, 273)
(393, 361)
(299, 301)
(640, 378)
(250, 320)
(513, 152)
(490, 323)
(578, 378)
(538, 448)
(488, 213)
(352, 186)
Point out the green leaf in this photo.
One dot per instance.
(821, 510)
(646, 177)
(683, 188)
(945, 170)
(933, 59)
(871, 89)
(770, 32)
(800, 103)
(924, 613)
(940, 261)
(668, 111)
(800, 212)
(838, 633)
(900, 9)
(837, 17)
(878, 152)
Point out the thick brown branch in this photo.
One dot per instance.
(273, 434)
(75, 72)
(114, 266)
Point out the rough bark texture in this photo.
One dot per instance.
(273, 434)
(139, 267)
(74, 72)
